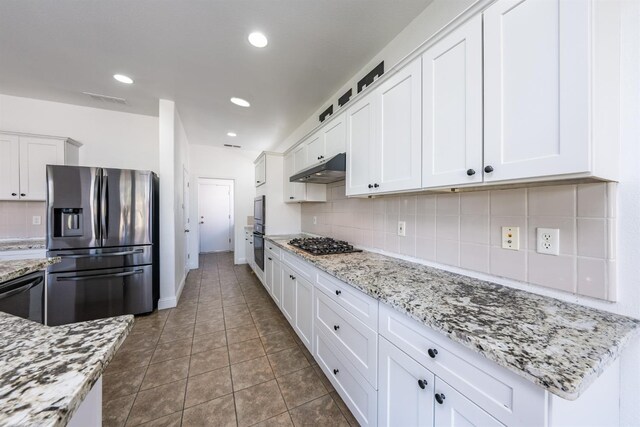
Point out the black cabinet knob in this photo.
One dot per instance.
(338, 292)
(471, 172)
(14, 194)
(257, 182)
(293, 277)
(335, 371)
(440, 398)
(432, 352)
(22, 194)
(336, 327)
(422, 384)
(488, 169)
(370, 186)
(269, 258)
(376, 185)
(291, 197)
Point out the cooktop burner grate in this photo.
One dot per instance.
(323, 246)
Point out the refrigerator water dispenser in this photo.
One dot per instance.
(68, 222)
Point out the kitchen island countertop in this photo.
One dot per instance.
(10, 269)
(557, 345)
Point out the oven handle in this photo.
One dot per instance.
(106, 254)
(33, 283)
(99, 276)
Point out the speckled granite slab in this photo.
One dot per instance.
(560, 346)
(21, 244)
(46, 372)
(10, 269)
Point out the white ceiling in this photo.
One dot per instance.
(196, 53)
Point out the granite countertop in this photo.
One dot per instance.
(10, 269)
(21, 244)
(560, 346)
(46, 372)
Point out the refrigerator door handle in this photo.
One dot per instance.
(95, 208)
(104, 207)
(98, 276)
(107, 254)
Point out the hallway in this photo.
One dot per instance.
(224, 356)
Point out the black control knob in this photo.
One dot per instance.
(488, 169)
(338, 292)
(422, 384)
(370, 186)
(471, 172)
(14, 194)
(432, 352)
(335, 371)
(336, 327)
(376, 185)
(440, 398)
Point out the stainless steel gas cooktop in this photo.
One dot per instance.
(323, 246)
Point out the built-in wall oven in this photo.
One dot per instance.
(259, 230)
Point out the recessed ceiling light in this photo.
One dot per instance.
(123, 79)
(231, 134)
(241, 102)
(258, 39)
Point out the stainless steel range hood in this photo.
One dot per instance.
(330, 171)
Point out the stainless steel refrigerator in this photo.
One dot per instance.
(103, 223)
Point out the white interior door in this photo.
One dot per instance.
(215, 215)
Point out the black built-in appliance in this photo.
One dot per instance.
(259, 230)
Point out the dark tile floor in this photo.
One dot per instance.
(224, 356)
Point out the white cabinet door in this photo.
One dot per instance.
(452, 409)
(261, 171)
(397, 160)
(9, 167)
(303, 324)
(248, 248)
(536, 88)
(334, 135)
(452, 108)
(276, 282)
(361, 141)
(405, 393)
(293, 191)
(35, 154)
(315, 148)
(288, 306)
(268, 273)
(300, 157)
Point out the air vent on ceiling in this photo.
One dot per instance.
(106, 98)
(232, 146)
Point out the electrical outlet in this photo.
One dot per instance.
(511, 238)
(315, 220)
(402, 228)
(36, 220)
(548, 241)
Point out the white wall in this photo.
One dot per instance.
(167, 212)
(109, 138)
(225, 163)
(427, 23)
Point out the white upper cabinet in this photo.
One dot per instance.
(9, 167)
(23, 161)
(315, 148)
(300, 157)
(536, 84)
(361, 137)
(261, 171)
(293, 191)
(334, 135)
(452, 108)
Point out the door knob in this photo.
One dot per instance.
(14, 194)
(186, 231)
(432, 353)
(370, 186)
(335, 371)
(471, 172)
(336, 327)
(376, 185)
(422, 384)
(22, 194)
(201, 222)
(488, 169)
(440, 398)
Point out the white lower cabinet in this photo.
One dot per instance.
(288, 306)
(303, 324)
(406, 393)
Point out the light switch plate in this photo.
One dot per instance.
(511, 238)
(36, 220)
(402, 228)
(548, 241)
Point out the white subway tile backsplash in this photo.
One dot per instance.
(464, 229)
(16, 219)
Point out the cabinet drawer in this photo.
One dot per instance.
(360, 305)
(506, 396)
(300, 266)
(271, 250)
(357, 342)
(356, 392)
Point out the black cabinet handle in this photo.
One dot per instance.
(335, 371)
(471, 172)
(336, 327)
(14, 194)
(370, 186)
(488, 169)
(338, 292)
(432, 352)
(376, 185)
(269, 258)
(422, 384)
(22, 194)
(440, 398)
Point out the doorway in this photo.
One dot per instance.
(215, 214)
